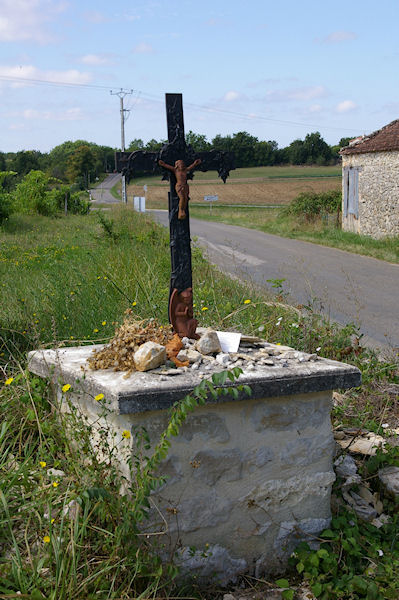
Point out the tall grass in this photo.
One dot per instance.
(70, 534)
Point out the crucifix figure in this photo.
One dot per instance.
(173, 158)
(182, 190)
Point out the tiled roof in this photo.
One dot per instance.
(382, 140)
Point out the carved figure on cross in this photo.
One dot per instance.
(173, 158)
(182, 190)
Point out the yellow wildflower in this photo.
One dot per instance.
(66, 387)
(95, 330)
(46, 539)
(104, 323)
(9, 380)
(52, 521)
(126, 434)
(247, 301)
(99, 397)
(204, 308)
(43, 464)
(134, 303)
(55, 484)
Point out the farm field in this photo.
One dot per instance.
(256, 186)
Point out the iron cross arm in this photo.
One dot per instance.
(140, 162)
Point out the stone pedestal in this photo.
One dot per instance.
(247, 479)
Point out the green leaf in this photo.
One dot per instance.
(327, 533)
(300, 567)
(283, 583)
(322, 553)
(313, 559)
(317, 588)
(288, 594)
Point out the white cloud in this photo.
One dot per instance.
(143, 48)
(70, 114)
(336, 37)
(315, 108)
(96, 17)
(231, 95)
(129, 17)
(31, 72)
(96, 60)
(297, 94)
(345, 106)
(24, 20)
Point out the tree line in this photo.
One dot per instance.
(249, 151)
(79, 163)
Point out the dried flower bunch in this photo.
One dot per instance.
(119, 353)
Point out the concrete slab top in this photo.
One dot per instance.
(153, 390)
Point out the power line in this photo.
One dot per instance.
(53, 83)
(197, 107)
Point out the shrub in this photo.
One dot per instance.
(5, 196)
(311, 205)
(31, 195)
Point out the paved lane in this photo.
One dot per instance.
(102, 192)
(347, 287)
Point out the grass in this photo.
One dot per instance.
(321, 231)
(288, 172)
(70, 279)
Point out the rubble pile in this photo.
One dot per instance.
(363, 495)
(119, 353)
(147, 346)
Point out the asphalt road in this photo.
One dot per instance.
(102, 192)
(347, 287)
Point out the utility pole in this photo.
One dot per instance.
(122, 93)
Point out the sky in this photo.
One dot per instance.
(278, 70)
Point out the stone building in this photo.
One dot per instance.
(370, 183)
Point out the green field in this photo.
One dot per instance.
(258, 173)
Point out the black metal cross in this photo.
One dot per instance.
(180, 297)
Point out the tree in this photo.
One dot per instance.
(265, 153)
(81, 164)
(136, 144)
(316, 149)
(344, 141)
(296, 153)
(25, 161)
(154, 146)
(197, 141)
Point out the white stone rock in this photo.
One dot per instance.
(195, 366)
(192, 356)
(208, 343)
(345, 466)
(55, 473)
(223, 359)
(149, 356)
(389, 477)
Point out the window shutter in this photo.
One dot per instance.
(346, 186)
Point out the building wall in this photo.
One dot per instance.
(378, 194)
